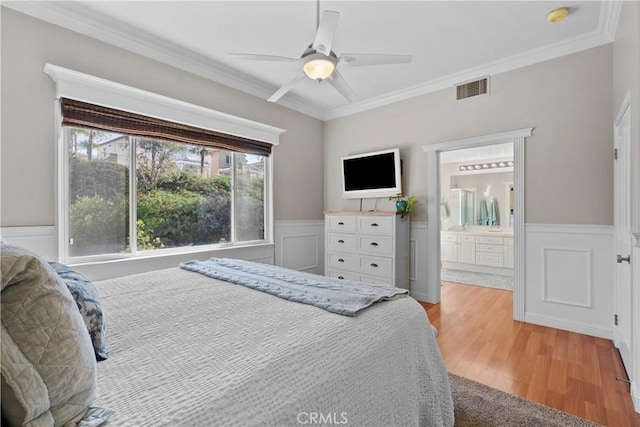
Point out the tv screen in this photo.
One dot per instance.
(371, 175)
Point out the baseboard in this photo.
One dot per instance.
(420, 296)
(635, 395)
(568, 325)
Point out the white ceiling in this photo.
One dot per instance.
(451, 41)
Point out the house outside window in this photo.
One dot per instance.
(132, 195)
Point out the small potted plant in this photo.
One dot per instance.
(404, 204)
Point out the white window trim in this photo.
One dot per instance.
(84, 87)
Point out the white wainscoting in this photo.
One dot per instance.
(569, 277)
(418, 260)
(300, 245)
(42, 240)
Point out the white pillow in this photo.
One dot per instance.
(46, 355)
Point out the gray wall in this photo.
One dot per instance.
(568, 101)
(626, 77)
(27, 150)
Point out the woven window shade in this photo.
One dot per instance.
(83, 114)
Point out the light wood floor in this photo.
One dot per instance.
(571, 372)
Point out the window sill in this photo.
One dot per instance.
(149, 261)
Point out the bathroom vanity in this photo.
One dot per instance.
(481, 251)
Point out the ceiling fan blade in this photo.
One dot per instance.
(362, 59)
(286, 88)
(256, 57)
(340, 84)
(326, 30)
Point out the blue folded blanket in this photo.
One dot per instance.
(337, 296)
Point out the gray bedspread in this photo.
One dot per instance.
(188, 350)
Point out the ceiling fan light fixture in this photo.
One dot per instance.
(318, 66)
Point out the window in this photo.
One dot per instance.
(166, 194)
(215, 176)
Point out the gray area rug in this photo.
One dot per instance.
(479, 279)
(477, 405)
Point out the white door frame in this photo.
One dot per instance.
(517, 137)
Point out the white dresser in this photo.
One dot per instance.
(371, 247)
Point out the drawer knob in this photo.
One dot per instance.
(341, 223)
(340, 260)
(340, 241)
(341, 277)
(373, 264)
(374, 244)
(373, 224)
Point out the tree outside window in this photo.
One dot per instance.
(183, 194)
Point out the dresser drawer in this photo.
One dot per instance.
(378, 245)
(489, 259)
(386, 281)
(376, 266)
(343, 275)
(462, 238)
(481, 247)
(342, 242)
(346, 223)
(490, 240)
(343, 261)
(373, 224)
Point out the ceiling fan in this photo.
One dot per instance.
(319, 62)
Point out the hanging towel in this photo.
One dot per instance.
(483, 214)
(494, 217)
(444, 212)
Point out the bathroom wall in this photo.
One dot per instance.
(451, 177)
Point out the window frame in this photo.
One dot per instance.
(72, 84)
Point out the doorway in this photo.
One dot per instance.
(476, 216)
(517, 137)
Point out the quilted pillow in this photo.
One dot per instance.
(46, 355)
(88, 301)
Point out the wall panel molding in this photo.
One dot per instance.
(569, 274)
(417, 256)
(300, 245)
(556, 263)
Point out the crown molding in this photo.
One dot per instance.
(609, 16)
(84, 20)
(545, 53)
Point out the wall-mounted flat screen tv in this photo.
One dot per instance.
(371, 175)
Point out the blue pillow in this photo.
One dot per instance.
(88, 302)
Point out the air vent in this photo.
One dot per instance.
(474, 88)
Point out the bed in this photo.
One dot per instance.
(189, 350)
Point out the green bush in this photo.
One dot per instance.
(98, 225)
(176, 208)
(97, 178)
